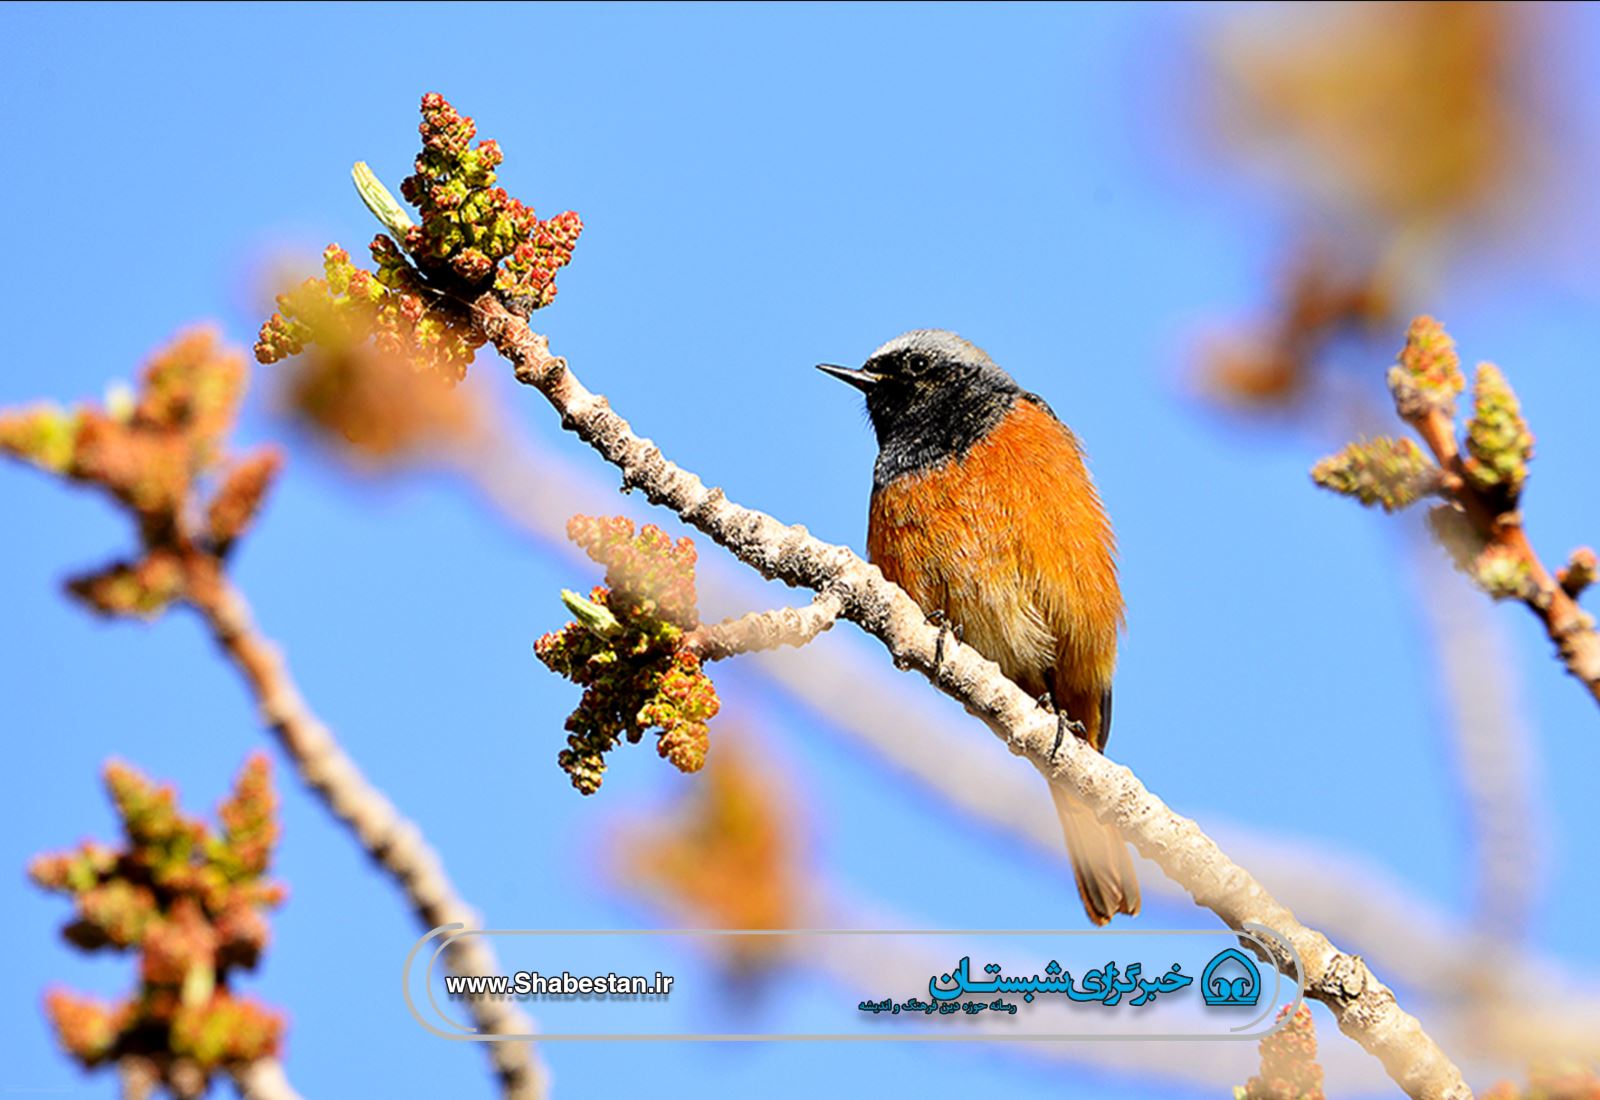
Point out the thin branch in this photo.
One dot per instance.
(264, 1079)
(1493, 748)
(786, 626)
(1404, 934)
(1500, 526)
(1366, 1010)
(396, 844)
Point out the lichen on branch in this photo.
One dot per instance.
(472, 237)
(189, 898)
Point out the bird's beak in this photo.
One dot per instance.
(860, 379)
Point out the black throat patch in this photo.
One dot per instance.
(920, 426)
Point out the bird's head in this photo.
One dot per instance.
(931, 395)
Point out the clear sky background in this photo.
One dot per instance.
(763, 189)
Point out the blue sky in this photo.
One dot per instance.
(763, 189)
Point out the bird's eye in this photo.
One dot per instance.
(914, 364)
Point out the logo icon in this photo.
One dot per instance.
(1230, 978)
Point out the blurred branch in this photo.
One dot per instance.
(1493, 747)
(162, 455)
(393, 842)
(1365, 1008)
(264, 1080)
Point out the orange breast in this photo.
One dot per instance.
(1011, 542)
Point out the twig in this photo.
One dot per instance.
(1365, 1009)
(264, 1079)
(787, 626)
(396, 844)
(1499, 524)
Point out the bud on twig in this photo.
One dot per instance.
(1499, 444)
(1391, 472)
(1579, 572)
(595, 618)
(1428, 376)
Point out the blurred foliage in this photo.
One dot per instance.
(1398, 128)
(1320, 302)
(189, 898)
(1289, 1069)
(726, 856)
(1551, 1083)
(374, 409)
(1398, 113)
(161, 453)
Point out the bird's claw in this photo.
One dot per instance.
(942, 621)
(1063, 724)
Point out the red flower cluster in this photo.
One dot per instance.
(649, 575)
(189, 898)
(628, 651)
(469, 225)
(473, 237)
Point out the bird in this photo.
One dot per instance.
(983, 509)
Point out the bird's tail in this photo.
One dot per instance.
(1100, 860)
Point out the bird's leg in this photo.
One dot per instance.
(942, 621)
(1063, 723)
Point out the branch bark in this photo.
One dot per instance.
(393, 842)
(1365, 1009)
(791, 626)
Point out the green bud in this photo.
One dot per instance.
(1499, 444)
(598, 620)
(383, 205)
(1391, 472)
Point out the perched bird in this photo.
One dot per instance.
(983, 510)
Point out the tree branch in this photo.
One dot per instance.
(537, 489)
(1365, 1009)
(396, 844)
(1498, 522)
(758, 630)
